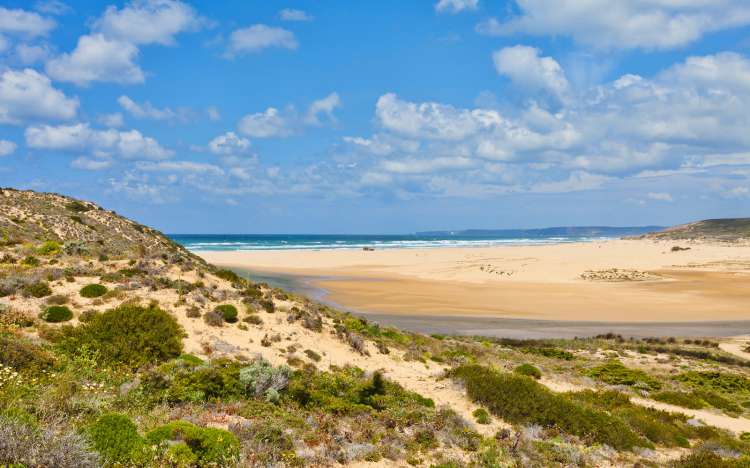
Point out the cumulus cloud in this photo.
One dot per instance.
(81, 137)
(258, 37)
(325, 107)
(148, 111)
(114, 120)
(290, 14)
(24, 23)
(97, 58)
(91, 164)
(228, 143)
(52, 7)
(148, 22)
(455, 6)
(625, 24)
(527, 68)
(29, 95)
(267, 124)
(180, 166)
(31, 54)
(7, 147)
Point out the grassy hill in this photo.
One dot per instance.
(120, 348)
(728, 229)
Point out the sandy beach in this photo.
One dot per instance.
(604, 281)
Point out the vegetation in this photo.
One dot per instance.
(93, 290)
(56, 314)
(528, 370)
(38, 289)
(615, 373)
(116, 439)
(228, 312)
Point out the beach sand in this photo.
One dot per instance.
(628, 280)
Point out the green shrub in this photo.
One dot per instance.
(228, 312)
(615, 373)
(716, 381)
(520, 400)
(49, 248)
(228, 275)
(116, 438)
(313, 355)
(211, 447)
(253, 319)
(718, 401)
(262, 379)
(549, 352)
(57, 299)
(87, 315)
(686, 400)
(23, 355)
(481, 416)
(218, 381)
(130, 335)
(78, 207)
(93, 290)
(528, 370)
(38, 289)
(268, 306)
(55, 314)
(30, 261)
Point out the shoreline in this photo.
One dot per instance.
(709, 283)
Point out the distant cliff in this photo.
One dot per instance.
(728, 229)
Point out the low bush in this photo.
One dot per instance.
(87, 315)
(262, 379)
(228, 312)
(520, 400)
(23, 355)
(683, 399)
(31, 261)
(193, 312)
(268, 306)
(213, 319)
(55, 314)
(57, 299)
(25, 445)
(193, 382)
(716, 381)
(313, 355)
(116, 439)
(229, 275)
(38, 289)
(481, 416)
(49, 248)
(528, 370)
(615, 373)
(93, 290)
(253, 319)
(210, 446)
(130, 335)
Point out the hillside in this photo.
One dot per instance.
(728, 229)
(120, 348)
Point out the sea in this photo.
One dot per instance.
(219, 242)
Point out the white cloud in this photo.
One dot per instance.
(258, 37)
(146, 110)
(24, 23)
(455, 6)
(323, 106)
(80, 137)
(97, 58)
(624, 24)
(267, 124)
(383, 145)
(290, 14)
(419, 166)
(147, 22)
(31, 54)
(114, 120)
(7, 147)
(89, 164)
(29, 95)
(228, 143)
(660, 196)
(180, 166)
(52, 7)
(213, 113)
(526, 68)
(576, 181)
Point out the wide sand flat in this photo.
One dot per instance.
(707, 282)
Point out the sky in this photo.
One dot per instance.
(381, 116)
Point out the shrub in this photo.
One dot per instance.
(686, 400)
(87, 315)
(193, 312)
(213, 318)
(57, 299)
(520, 400)
(553, 353)
(49, 248)
(528, 370)
(38, 289)
(268, 306)
(22, 444)
(481, 416)
(211, 447)
(78, 207)
(217, 381)
(130, 334)
(228, 312)
(116, 438)
(260, 377)
(716, 381)
(55, 314)
(313, 355)
(30, 261)
(228, 275)
(22, 355)
(93, 290)
(615, 373)
(253, 320)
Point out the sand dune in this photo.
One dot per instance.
(623, 280)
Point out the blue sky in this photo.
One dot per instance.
(384, 117)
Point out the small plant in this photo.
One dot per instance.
(193, 312)
(116, 438)
(93, 290)
(529, 370)
(615, 373)
(210, 446)
(87, 315)
(268, 306)
(228, 312)
(55, 314)
(31, 261)
(57, 299)
(481, 416)
(213, 319)
(313, 355)
(253, 319)
(38, 289)
(260, 378)
(49, 248)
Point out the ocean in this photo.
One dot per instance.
(213, 242)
